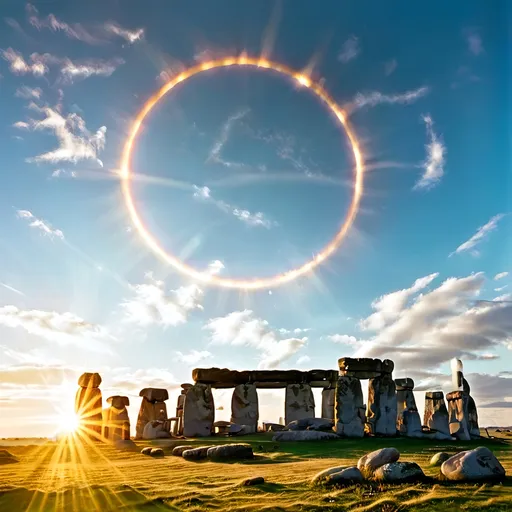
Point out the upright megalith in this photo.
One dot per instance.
(457, 415)
(408, 420)
(116, 422)
(178, 426)
(88, 405)
(244, 407)
(299, 402)
(198, 411)
(436, 413)
(381, 411)
(328, 403)
(349, 407)
(152, 410)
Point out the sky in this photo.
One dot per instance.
(244, 173)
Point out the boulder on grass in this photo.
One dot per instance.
(146, 450)
(321, 424)
(399, 472)
(438, 458)
(157, 452)
(230, 451)
(478, 465)
(178, 450)
(370, 462)
(338, 476)
(198, 453)
(255, 480)
(304, 435)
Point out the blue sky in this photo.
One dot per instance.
(243, 172)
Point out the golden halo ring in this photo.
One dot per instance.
(256, 283)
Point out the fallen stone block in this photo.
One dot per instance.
(304, 435)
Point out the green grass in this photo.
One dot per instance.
(56, 477)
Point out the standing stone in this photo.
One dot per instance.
(328, 403)
(457, 415)
(407, 404)
(349, 407)
(152, 409)
(457, 375)
(436, 413)
(178, 426)
(244, 407)
(88, 405)
(116, 423)
(299, 402)
(199, 411)
(472, 415)
(382, 406)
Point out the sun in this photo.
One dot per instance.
(67, 423)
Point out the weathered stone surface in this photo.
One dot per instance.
(116, 422)
(381, 412)
(438, 458)
(457, 375)
(472, 418)
(399, 472)
(328, 402)
(349, 409)
(155, 430)
(255, 480)
(198, 412)
(369, 463)
(402, 384)
(457, 415)
(412, 424)
(197, 453)
(89, 408)
(320, 478)
(119, 402)
(150, 412)
(478, 465)
(364, 368)
(178, 450)
(320, 424)
(125, 444)
(405, 402)
(89, 380)
(230, 451)
(154, 394)
(146, 450)
(437, 436)
(157, 452)
(436, 413)
(299, 402)
(304, 435)
(346, 476)
(216, 376)
(244, 407)
(273, 427)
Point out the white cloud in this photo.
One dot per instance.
(438, 325)
(479, 236)
(131, 36)
(19, 66)
(12, 289)
(193, 357)
(474, 41)
(151, 305)
(390, 66)
(215, 153)
(72, 71)
(343, 339)
(45, 228)
(62, 328)
(243, 328)
(501, 275)
(349, 50)
(501, 288)
(28, 93)
(57, 173)
(303, 360)
(215, 267)
(504, 297)
(434, 163)
(375, 98)
(257, 219)
(21, 125)
(76, 143)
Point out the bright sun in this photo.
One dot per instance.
(67, 423)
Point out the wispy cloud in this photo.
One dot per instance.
(434, 163)
(29, 93)
(215, 267)
(19, 66)
(216, 151)
(257, 219)
(193, 357)
(390, 66)
(12, 289)
(504, 297)
(303, 360)
(501, 275)
(479, 236)
(243, 328)
(344, 339)
(59, 173)
(39, 224)
(474, 42)
(375, 98)
(62, 328)
(349, 50)
(130, 36)
(73, 71)
(76, 143)
(151, 304)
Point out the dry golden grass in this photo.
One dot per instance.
(72, 476)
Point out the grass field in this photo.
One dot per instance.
(73, 477)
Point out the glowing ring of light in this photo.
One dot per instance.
(248, 284)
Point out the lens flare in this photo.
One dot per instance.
(254, 283)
